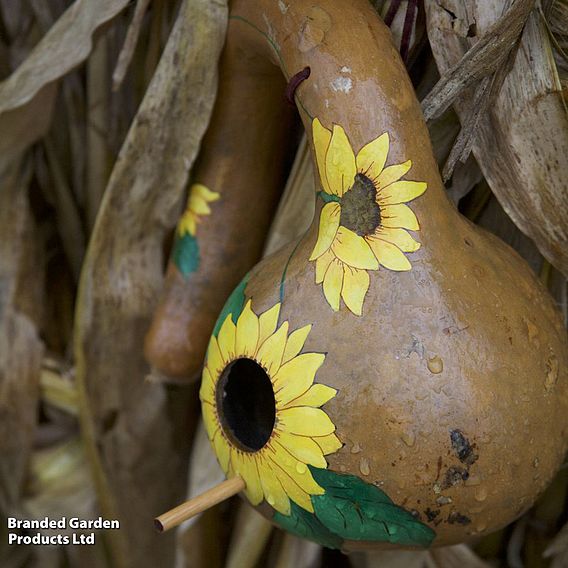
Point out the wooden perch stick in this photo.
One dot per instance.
(198, 504)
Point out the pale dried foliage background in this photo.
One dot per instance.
(103, 104)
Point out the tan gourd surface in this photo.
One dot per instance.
(452, 383)
(245, 145)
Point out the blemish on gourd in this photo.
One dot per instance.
(532, 333)
(551, 373)
(314, 28)
(473, 480)
(443, 500)
(462, 447)
(283, 7)
(435, 365)
(457, 518)
(356, 448)
(341, 84)
(455, 475)
(416, 346)
(481, 494)
(409, 438)
(364, 466)
(432, 514)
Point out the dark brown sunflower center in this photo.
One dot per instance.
(360, 211)
(246, 404)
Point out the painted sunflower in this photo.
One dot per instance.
(364, 222)
(198, 201)
(262, 411)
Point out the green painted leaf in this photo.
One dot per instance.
(234, 305)
(306, 525)
(185, 254)
(356, 510)
(328, 198)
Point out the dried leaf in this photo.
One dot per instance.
(250, 536)
(521, 144)
(21, 349)
(204, 470)
(296, 552)
(60, 485)
(130, 43)
(138, 469)
(22, 127)
(492, 47)
(66, 45)
(558, 549)
(98, 157)
(462, 146)
(297, 205)
(464, 178)
(67, 215)
(390, 559)
(456, 556)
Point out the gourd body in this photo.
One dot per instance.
(418, 392)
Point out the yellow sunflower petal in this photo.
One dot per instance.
(392, 173)
(322, 138)
(322, 264)
(389, 255)
(297, 470)
(271, 351)
(298, 495)
(295, 342)
(302, 448)
(372, 157)
(191, 224)
(222, 450)
(230, 469)
(226, 338)
(329, 444)
(355, 286)
(401, 192)
(268, 321)
(207, 390)
(215, 362)
(304, 421)
(198, 205)
(244, 465)
(204, 192)
(399, 237)
(187, 224)
(246, 339)
(332, 283)
(399, 216)
(296, 376)
(210, 419)
(340, 166)
(328, 225)
(272, 488)
(353, 250)
(317, 395)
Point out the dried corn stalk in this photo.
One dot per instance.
(21, 349)
(66, 45)
(521, 141)
(297, 205)
(126, 421)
